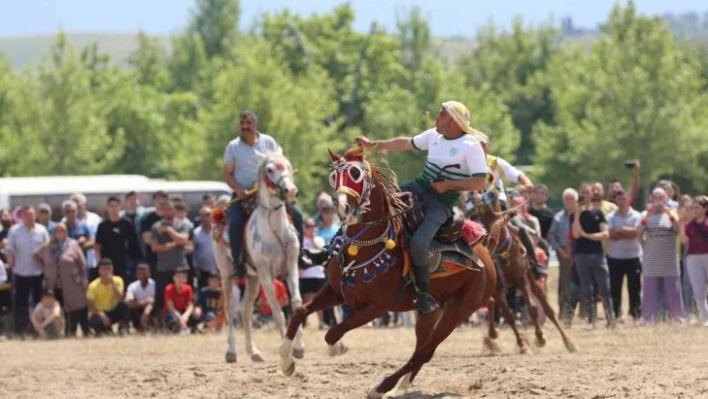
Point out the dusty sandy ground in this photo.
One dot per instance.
(664, 361)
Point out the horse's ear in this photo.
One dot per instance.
(334, 156)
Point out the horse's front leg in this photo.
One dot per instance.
(357, 319)
(267, 284)
(325, 298)
(293, 281)
(225, 268)
(249, 298)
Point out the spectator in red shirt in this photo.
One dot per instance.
(281, 293)
(179, 310)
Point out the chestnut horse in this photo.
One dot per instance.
(369, 269)
(514, 270)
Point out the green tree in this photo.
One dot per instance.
(215, 22)
(635, 95)
(148, 62)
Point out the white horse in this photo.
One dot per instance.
(272, 249)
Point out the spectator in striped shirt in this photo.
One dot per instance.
(658, 231)
(169, 240)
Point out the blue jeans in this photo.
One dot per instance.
(436, 214)
(237, 222)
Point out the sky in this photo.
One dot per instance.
(161, 17)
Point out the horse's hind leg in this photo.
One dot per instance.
(533, 310)
(543, 300)
(424, 327)
(456, 310)
(293, 282)
(249, 298)
(490, 345)
(222, 260)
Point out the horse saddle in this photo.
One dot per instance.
(450, 231)
(458, 253)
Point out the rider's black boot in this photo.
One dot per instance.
(536, 267)
(239, 270)
(424, 301)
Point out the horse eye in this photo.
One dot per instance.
(270, 169)
(333, 179)
(356, 174)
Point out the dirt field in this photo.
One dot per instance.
(629, 362)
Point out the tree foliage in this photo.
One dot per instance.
(574, 110)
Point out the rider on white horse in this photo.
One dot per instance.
(452, 142)
(504, 170)
(242, 157)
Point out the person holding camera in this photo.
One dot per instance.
(658, 231)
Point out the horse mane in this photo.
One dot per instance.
(385, 179)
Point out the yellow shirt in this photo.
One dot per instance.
(102, 295)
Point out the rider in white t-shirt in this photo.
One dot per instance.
(452, 142)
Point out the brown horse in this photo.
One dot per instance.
(509, 254)
(369, 268)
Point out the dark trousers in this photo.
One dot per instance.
(237, 222)
(75, 319)
(632, 268)
(24, 287)
(162, 280)
(93, 274)
(135, 315)
(119, 314)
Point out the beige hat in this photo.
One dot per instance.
(461, 115)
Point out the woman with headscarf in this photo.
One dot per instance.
(658, 231)
(64, 266)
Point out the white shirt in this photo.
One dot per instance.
(136, 290)
(21, 243)
(92, 220)
(510, 173)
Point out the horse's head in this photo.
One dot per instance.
(352, 181)
(276, 176)
(485, 204)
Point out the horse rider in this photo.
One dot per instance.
(504, 170)
(242, 158)
(451, 142)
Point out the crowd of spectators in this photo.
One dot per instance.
(139, 269)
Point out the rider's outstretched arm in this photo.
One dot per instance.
(395, 144)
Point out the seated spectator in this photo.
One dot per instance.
(44, 217)
(140, 297)
(179, 310)
(105, 295)
(209, 303)
(281, 294)
(46, 317)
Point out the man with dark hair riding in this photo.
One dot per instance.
(452, 142)
(242, 158)
(504, 170)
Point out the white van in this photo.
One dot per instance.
(16, 191)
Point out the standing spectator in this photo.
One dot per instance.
(209, 302)
(91, 220)
(46, 317)
(146, 223)
(685, 215)
(624, 257)
(558, 236)
(695, 235)
(615, 186)
(327, 228)
(134, 212)
(44, 217)
(64, 268)
(116, 240)
(79, 232)
(672, 193)
(204, 261)
(209, 201)
(589, 229)
(312, 278)
(658, 230)
(105, 296)
(179, 310)
(181, 216)
(169, 240)
(140, 297)
(539, 209)
(598, 201)
(5, 225)
(22, 241)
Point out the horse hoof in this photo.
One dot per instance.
(337, 349)
(373, 393)
(572, 348)
(540, 342)
(298, 353)
(403, 385)
(288, 371)
(256, 357)
(525, 349)
(230, 357)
